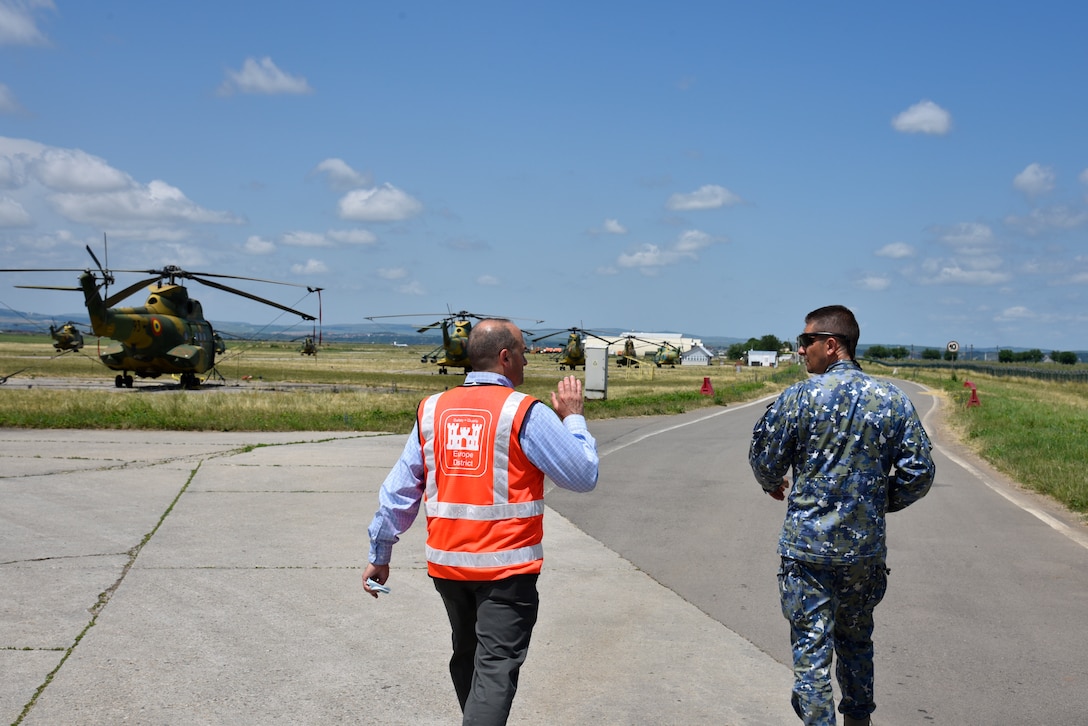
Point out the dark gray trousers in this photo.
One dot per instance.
(492, 623)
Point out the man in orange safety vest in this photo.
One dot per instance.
(476, 461)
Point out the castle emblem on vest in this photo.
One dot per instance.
(465, 438)
(465, 450)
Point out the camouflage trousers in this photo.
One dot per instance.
(830, 609)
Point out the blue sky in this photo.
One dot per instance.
(712, 168)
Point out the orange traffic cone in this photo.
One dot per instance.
(707, 389)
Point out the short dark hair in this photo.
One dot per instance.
(487, 339)
(837, 319)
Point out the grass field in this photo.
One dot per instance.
(1034, 431)
(344, 387)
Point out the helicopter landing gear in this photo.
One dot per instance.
(123, 380)
(189, 381)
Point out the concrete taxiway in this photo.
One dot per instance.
(213, 578)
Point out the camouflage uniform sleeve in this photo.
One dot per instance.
(914, 468)
(774, 441)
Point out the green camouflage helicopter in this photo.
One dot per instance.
(629, 357)
(667, 355)
(168, 334)
(66, 337)
(453, 352)
(574, 352)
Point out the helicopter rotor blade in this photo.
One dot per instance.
(119, 296)
(243, 293)
(107, 277)
(198, 275)
(49, 287)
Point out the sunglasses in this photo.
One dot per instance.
(804, 340)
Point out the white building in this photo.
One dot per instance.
(767, 358)
(696, 356)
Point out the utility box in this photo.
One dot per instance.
(596, 373)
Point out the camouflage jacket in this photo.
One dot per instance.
(857, 450)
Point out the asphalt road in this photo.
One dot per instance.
(213, 578)
(985, 618)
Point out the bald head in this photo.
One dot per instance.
(488, 339)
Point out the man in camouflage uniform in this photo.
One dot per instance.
(857, 450)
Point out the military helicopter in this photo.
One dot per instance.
(454, 347)
(309, 347)
(169, 333)
(66, 337)
(574, 352)
(629, 357)
(667, 354)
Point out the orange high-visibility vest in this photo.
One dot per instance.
(484, 499)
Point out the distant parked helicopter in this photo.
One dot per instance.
(454, 347)
(169, 333)
(574, 352)
(66, 337)
(628, 357)
(667, 354)
(309, 347)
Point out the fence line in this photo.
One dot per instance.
(1066, 375)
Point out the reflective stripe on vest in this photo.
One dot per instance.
(505, 558)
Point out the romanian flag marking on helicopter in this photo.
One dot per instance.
(156, 326)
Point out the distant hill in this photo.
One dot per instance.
(15, 321)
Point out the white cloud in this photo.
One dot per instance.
(487, 280)
(896, 251)
(613, 226)
(874, 283)
(924, 117)
(72, 170)
(13, 214)
(86, 189)
(956, 272)
(262, 77)
(8, 103)
(380, 204)
(392, 273)
(412, 288)
(353, 236)
(340, 175)
(1016, 312)
(156, 202)
(1056, 217)
(1034, 180)
(650, 258)
(1084, 176)
(709, 196)
(257, 246)
(17, 23)
(305, 239)
(691, 241)
(967, 237)
(312, 267)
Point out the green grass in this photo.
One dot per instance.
(1036, 432)
(270, 387)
